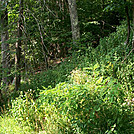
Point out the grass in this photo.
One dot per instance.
(8, 125)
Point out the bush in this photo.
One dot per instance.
(91, 101)
(89, 104)
(25, 110)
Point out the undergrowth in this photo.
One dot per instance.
(90, 93)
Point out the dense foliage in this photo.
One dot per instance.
(68, 86)
(95, 97)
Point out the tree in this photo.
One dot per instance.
(74, 20)
(128, 22)
(133, 24)
(5, 60)
(18, 47)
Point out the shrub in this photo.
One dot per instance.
(94, 105)
(25, 110)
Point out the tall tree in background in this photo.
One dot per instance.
(133, 23)
(128, 22)
(5, 55)
(18, 47)
(74, 20)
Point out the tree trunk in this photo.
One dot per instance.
(133, 25)
(128, 23)
(5, 55)
(74, 21)
(18, 47)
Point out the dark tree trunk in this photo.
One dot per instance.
(128, 23)
(18, 47)
(5, 55)
(0, 96)
(133, 24)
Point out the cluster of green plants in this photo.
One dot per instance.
(9, 125)
(89, 102)
(90, 93)
(111, 50)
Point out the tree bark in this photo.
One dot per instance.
(74, 21)
(18, 47)
(128, 23)
(133, 25)
(5, 55)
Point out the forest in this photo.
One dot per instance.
(67, 67)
